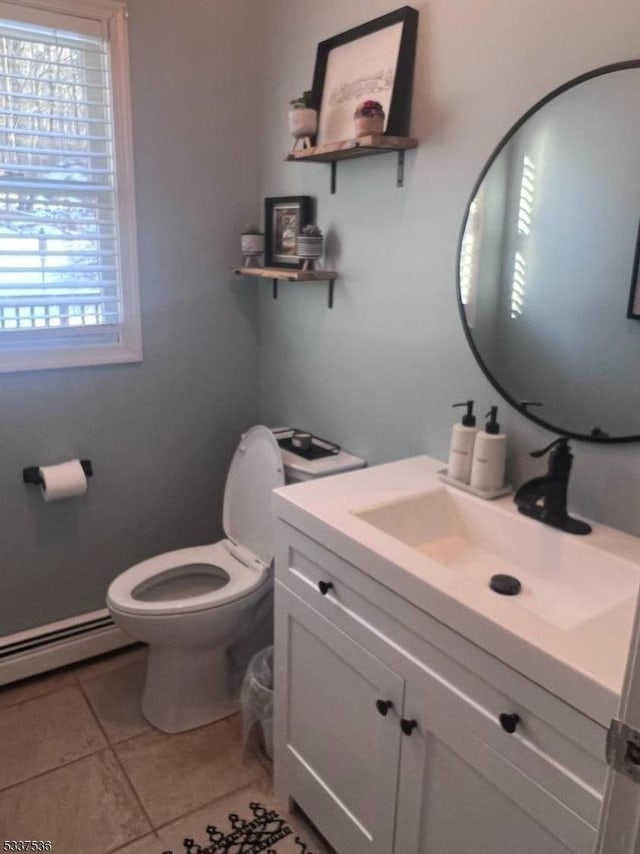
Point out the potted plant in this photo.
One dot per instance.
(303, 120)
(252, 245)
(368, 118)
(309, 245)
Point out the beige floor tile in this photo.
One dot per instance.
(150, 844)
(236, 724)
(87, 806)
(115, 698)
(37, 686)
(194, 826)
(175, 774)
(41, 734)
(109, 662)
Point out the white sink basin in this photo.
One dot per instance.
(565, 580)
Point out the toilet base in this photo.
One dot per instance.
(187, 687)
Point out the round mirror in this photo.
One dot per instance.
(548, 260)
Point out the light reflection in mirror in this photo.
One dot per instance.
(546, 258)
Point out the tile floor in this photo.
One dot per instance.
(81, 766)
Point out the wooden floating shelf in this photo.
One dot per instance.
(277, 274)
(349, 149)
(362, 146)
(287, 275)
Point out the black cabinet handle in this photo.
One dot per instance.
(408, 727)
(510, 722)
(383, 706)
(325, 586)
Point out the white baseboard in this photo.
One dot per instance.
(49, 654)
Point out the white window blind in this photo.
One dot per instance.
(468, 253)
(63, 289)
(469, 258)
(524, 224)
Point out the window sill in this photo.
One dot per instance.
(29, 360)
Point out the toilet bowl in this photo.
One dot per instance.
(190, 605)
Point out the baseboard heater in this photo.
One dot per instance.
(55, 645)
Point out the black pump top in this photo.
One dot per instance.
(492, 425)
(468, 420)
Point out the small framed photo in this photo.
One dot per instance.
(284, 218)
(373, 61)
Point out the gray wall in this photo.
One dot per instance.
(379, 372)
(160, 434)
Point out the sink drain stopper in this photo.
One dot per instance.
(506, 585)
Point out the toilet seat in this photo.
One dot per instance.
(243, 579)
(244, 557)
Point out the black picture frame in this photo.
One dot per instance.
(284, 218)
(399, 108)
(633, 309)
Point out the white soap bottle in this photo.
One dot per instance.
(462, 440)
(489, 456)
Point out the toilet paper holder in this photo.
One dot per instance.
(31, 474)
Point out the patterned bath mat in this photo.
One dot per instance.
(261, 829)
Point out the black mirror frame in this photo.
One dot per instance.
(519, 407)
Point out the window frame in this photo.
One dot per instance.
(25, 354)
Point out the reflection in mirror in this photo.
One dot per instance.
(546, 260)
(634, 295)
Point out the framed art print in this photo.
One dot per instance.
(373, 61)
(284, 218)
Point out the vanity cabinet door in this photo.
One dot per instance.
(458, 795)
(336, 752)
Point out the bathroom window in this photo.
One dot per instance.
(68, 262)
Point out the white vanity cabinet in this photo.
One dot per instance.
(388, 728)
(341, 756)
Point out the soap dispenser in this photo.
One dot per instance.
(489, 456)
(461, 450)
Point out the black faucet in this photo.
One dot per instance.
(545, 498)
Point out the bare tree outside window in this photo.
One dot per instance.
(58, 249)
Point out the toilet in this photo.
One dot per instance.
(192, 604)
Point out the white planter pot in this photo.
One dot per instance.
(309, 248)
(365, 125)
(303, 122)
(251, 246)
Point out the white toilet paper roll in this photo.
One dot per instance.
(63, 481)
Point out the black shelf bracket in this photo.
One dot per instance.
(400, 173)
(289, 276)
(330, 282)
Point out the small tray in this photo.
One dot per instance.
(489, 495)
(319, 449)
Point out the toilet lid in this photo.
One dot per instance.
(256, 470)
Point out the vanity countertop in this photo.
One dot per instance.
(582, 664)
